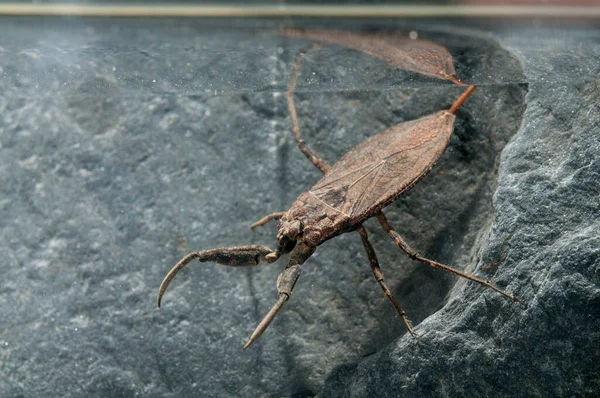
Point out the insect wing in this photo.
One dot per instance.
(382, 167)
(420, 56)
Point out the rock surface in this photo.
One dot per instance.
(546, 230)
(126, 144)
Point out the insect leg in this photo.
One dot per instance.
(285, 284)
(322, 165)
(273, 216)
(416, 256)
(315, 159)
(242, 256)
(379, 277)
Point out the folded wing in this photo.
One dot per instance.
(384, 166)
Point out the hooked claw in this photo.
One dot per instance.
(242, 256)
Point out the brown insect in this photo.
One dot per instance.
(421, 56)
(368, 178)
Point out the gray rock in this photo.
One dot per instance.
(126, 144)
(545, 228)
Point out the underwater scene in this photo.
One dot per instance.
(297, 199)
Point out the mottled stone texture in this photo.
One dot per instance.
(546, 232)
(125, 144)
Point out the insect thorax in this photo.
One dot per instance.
(311, 221)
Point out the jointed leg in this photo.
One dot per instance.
(285, 284)
(416, 256)
(315, 159)
(322, 165)
(379, 277)
(273, 216)
(242, 256)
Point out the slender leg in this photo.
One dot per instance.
(285, 284)
(379, 277)
(273, 216)
(315, 159)
(322, 165)
(416, 256)
(242, 256)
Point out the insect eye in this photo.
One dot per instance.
(294, 230)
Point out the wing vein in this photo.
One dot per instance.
(380, 164)
(343, 176)
(364, 192)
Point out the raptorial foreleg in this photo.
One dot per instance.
(241, 256)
